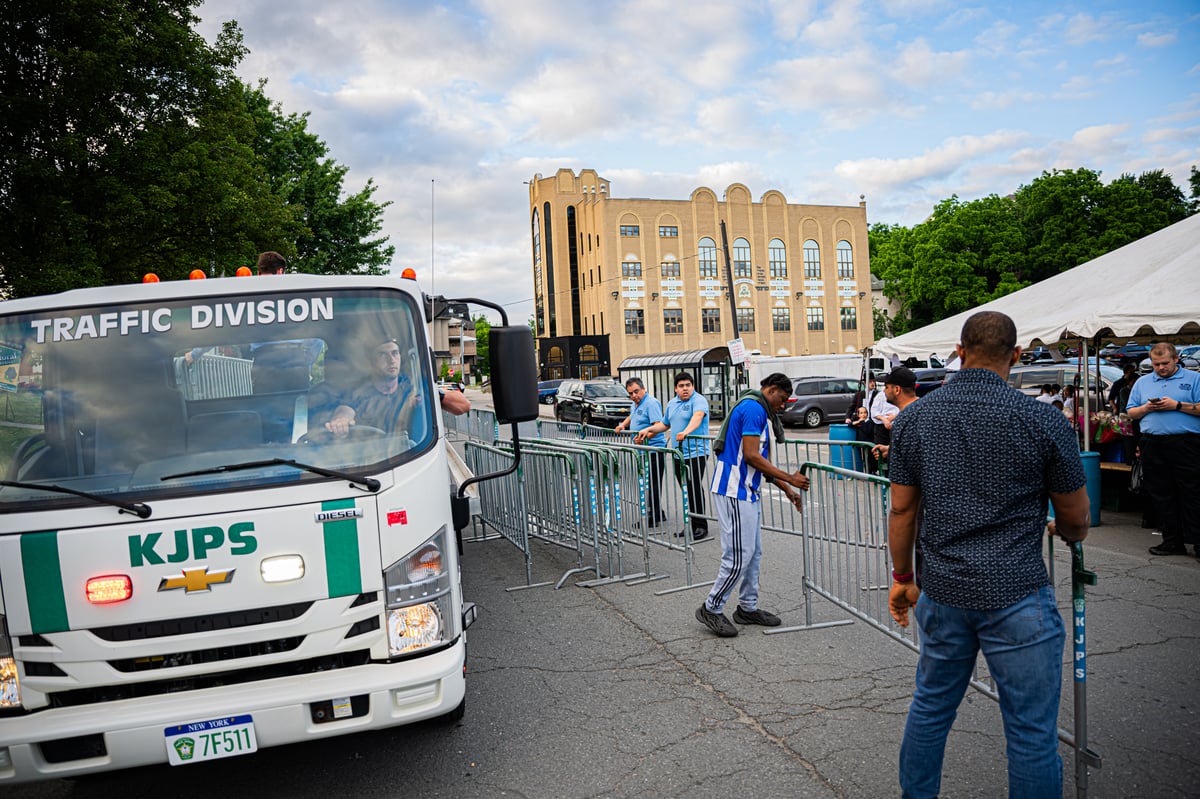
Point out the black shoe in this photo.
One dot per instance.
(715, 622)
(759, 616)
(702, 532)
(1163, 549)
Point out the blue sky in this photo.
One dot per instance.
(451, 106)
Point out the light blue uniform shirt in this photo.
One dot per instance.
(1183, 386)
(644, 414)
(679, 415)
(734, 477)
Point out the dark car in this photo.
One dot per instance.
(815, 399)
(599, 402)
(929, 379)
(1034, 353)
(548, 390)
(1132, 352)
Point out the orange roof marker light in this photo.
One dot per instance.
(409, 273)
(149, 277)
(197, 274)
(243, 271)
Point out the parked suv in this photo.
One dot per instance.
(928, 380)
(1131, 353)
(599, 402)
(815, 399)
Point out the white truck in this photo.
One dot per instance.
(192, 566)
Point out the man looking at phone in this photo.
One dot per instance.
(1165, 403)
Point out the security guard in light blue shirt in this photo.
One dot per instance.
(645, 412)
(687, 419)
(1165, 402)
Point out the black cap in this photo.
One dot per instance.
(901, 376)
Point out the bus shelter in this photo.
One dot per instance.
(716, 377)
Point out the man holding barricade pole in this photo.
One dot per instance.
(978, 459)
(743, 448)
(645, 412)
(687, 415)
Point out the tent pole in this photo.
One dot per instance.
(1087, 394)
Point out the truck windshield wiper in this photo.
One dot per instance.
(369, 483)
(139, 509)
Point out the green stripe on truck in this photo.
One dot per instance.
(341, 551)
(43, 582)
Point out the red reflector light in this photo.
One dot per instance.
(409, 273)
(244, 271)
(149, 277)
(109, 588)
(791, 400)
(197, 274)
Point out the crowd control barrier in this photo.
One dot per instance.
(846, 562)
(213, 376)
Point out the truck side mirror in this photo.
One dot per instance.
(513, 373)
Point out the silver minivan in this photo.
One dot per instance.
(815, 399)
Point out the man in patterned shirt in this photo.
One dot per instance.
(979, 459)
(741, 466)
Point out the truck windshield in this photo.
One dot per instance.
(144, 402)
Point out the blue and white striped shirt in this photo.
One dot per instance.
(734, 477)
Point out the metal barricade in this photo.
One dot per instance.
(847, 562)
(502, 504)
(212, 376)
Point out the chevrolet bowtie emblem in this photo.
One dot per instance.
(195, 580)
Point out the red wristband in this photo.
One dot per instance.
(902, 578)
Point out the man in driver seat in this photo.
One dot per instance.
(386, 400)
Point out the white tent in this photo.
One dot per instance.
(1147, 288)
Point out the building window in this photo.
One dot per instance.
(777, 256)
(630, 230)
(812, 259)
(745, 320)
(635, 322)
(849, 318)
(781, 320)
(631, 269)
(816, 318)
(669, 268)
(710, 320)
(741, 258)
(673, 321)
(845, 255)
(668, 231)
(708, 257)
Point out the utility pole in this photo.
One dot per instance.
(739, 367)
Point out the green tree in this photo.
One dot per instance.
(334, 235)
(483, 329)
(128, 145)
(1194, 181)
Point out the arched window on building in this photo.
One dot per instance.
(741, 258)
(845, 256)
(777, 255)
(812, 259)
(708, 257)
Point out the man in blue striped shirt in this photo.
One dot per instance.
(741, 466)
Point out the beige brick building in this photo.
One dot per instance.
(616, 278)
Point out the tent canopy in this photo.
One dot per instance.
(1146, 288)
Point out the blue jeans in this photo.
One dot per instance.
(1023, 646)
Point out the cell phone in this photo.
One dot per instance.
(1155, 399)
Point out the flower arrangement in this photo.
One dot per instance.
(1110, 427)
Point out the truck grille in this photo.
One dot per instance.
(215, 655)
(201, 624)
(114, 693)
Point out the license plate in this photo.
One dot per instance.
(210, 740)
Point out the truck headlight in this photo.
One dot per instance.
(10, 686)
(419, 602)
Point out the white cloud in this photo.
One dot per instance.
(1157, 39)
(918, 65)
(842, 28)
(944, 160)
